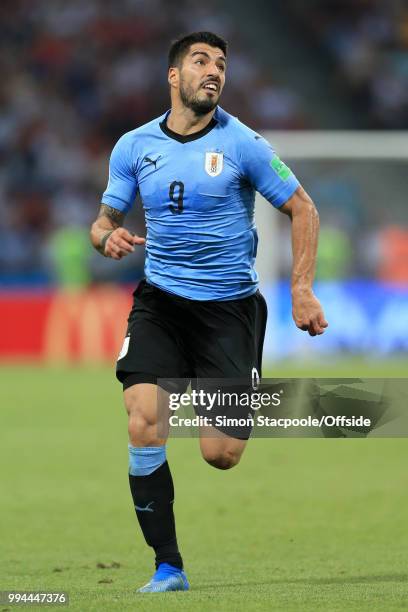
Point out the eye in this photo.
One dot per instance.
(199, 62)
(221, 67)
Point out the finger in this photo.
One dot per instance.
(123, 234)
(138, 240)
(114, 251)
(135, 239)
(129, 237)
(123, 245)
(322, 321)
(312, 331)
(301, 325)
(319, 324)
(318, 327)
(314, 326)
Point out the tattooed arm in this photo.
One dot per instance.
(109, 237)
(306, 309)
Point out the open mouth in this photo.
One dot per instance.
(211, 87)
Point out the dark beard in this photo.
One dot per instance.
(199, 107)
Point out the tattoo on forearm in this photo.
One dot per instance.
(115, 216)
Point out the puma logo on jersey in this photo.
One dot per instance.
(152, 161)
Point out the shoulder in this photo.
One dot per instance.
(234, 126)
(243, 136)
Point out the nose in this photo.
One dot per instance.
(213, 69)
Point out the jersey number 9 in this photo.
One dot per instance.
(178, 199)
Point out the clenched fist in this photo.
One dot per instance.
(308, 313)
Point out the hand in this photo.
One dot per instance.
(121, 242)
(308, 314)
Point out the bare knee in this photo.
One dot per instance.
(221, 459)
(142, 433)
(142, 418)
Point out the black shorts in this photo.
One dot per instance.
(170, 337)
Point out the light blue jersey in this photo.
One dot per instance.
(198, 193)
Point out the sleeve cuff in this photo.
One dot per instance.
(285, 194)
(115, 202)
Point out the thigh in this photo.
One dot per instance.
(152, 347)
(227, 338)
(229, 350)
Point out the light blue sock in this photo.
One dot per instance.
(144, 461)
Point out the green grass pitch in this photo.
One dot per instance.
(300, 524)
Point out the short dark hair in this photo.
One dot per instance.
(179, 48)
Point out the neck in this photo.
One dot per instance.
(184, 121)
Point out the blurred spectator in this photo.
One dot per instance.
(393, 266)
(75, 76)
(70, 252)
(335, 254)
(368, 41)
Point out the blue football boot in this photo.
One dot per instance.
(166, 578)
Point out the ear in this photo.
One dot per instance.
(173, 76)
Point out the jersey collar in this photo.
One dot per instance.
(183, 138)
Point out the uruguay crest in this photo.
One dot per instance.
(214, 163)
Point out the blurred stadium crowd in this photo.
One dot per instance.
(368, 41)
(77, 75)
